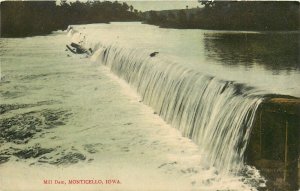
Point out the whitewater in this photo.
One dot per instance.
(149, 123)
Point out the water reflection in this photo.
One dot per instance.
(278, 52)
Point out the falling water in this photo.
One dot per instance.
(214, 113)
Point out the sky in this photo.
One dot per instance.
(147, 5)
(162, 4)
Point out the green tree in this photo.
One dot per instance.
(131, 8)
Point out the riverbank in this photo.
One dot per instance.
(230, 15)
(32, 18)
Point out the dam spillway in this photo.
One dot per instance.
(192, 103)
(217, 114)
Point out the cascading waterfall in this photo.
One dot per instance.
(215, 114)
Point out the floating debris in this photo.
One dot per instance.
(153, 54)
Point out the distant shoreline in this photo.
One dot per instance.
(32, 18)
(230, 15)
(36, 18)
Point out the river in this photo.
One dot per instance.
(111, 116)
(266, 60)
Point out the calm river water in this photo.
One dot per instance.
(267, 60)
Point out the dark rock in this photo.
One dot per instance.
(32, 152)
(70, 158)
(4, 159)
(21, 128)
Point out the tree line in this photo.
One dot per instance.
(28, 18)
(231, 15)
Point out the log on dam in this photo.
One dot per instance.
(199, 114)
